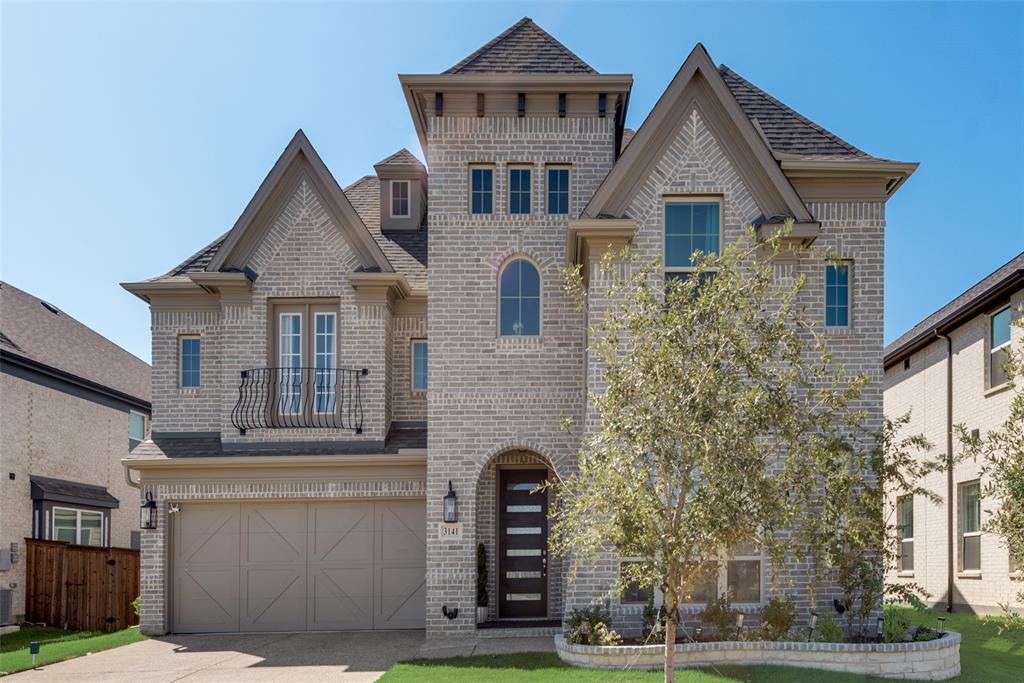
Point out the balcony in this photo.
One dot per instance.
(292, 398)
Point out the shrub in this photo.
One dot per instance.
(136, 603)
(777, 617)
(654, 621)
(924, 633)
(720, 614)
(829, 630)
(590, 626)
(897, 622)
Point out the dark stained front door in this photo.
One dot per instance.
(523, 545)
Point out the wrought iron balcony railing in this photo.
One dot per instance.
(281, 398)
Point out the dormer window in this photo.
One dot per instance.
(399, 198)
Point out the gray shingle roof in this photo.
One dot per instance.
(402, 157)
(197, 262)
(43, 333)
(787, 131)
(967, 300)
(523, 48)
(405, 250)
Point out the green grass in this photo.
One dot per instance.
(56, 645)
(985, 657)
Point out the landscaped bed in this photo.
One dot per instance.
(57, 645)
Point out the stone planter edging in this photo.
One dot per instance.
(933, 660)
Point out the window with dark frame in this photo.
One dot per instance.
(399, 198)
(905, 529)
(519, 304)
(190, 348)
(519, 186)
(633, 593)
(482, 190)
(136, 429)
(419, 365)
(837, 295)
(558, 190)
(999, 347)
(970, 527)
(690, 226)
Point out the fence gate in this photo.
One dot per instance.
(80, 587)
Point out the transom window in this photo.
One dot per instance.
(419, 365)
(837, 295)
(970, 527)
(519, 181)
(999, 347)
(481, 180)
(136, 429)
(739, 575)
(558, 190)
(905, 531)
(189, 361)
(691, 224)
(399, 198)
(84, 527)
(519, 305)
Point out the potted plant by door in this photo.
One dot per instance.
(481, 583)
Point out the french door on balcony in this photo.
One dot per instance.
(306, 350)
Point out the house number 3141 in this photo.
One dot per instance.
(451, 530)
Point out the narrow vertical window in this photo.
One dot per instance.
(970, 527)
(399, 198)
(290, 370)
(837, 295)
(482, 190)
(999, 347)
(189, 359)
(519, 180)
(743, 574)
(905, 530)
(690, 226)
(419, 365)
(324, 375)
(558, 190)
(519, 305)
(136, 429)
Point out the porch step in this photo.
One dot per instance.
(525, 630)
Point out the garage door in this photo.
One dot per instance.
(299, 567)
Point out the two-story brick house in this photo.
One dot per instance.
(302, 464)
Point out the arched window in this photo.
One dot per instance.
(519, 307)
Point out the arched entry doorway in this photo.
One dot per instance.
(523, 581)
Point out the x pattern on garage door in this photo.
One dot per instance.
(299, 566)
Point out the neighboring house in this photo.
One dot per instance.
(72, 406)
(947, 371)
(322, 390)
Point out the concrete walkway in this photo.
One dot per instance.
(290, 657)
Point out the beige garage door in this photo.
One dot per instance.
(299, 566)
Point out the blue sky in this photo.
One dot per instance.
(133, 134)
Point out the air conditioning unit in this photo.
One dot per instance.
(6, 597)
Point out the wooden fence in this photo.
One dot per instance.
(80, 587)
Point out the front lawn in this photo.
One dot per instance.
(56, 645)
(985, 657)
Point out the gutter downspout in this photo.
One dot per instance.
(949, 469)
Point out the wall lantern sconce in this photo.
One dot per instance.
(941, 626)
(451, 506)
(147, 512)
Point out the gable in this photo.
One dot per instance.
(299, 166)
(698, 88)
(523, 48)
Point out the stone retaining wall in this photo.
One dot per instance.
(935, 660)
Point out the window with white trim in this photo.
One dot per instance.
(399, 198)
(691, 224)
(519, 299)
(999, 347)
(740, 574)
(290, 362)
(520, 179)
(71, 525)
(324, 375)
(189, 349)
(837, 294)
(970, 527)
(481, 190)
(419, 365)
(136, 429)
(558, 190)
(905, 533)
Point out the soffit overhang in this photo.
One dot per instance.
(823, 180)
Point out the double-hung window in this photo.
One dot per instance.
(419, 365)
(837, 295)
(136, 429)
(905, 531)
(999, 347)
(739, 574)
(558, 190)
(189, 348)
(692, 224)
(481, 183)
(84, 527)
(970, 527)
(306, 341)
(399, 198)
(519, 186)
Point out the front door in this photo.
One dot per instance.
(523, 545)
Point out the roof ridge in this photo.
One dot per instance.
(523, 23)
(803, 119)
(403, 152)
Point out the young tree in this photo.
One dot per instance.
(720, 402)
(1001, 453)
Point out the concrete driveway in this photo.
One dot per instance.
(291, 657)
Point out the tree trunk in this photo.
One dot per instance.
(670, 605)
